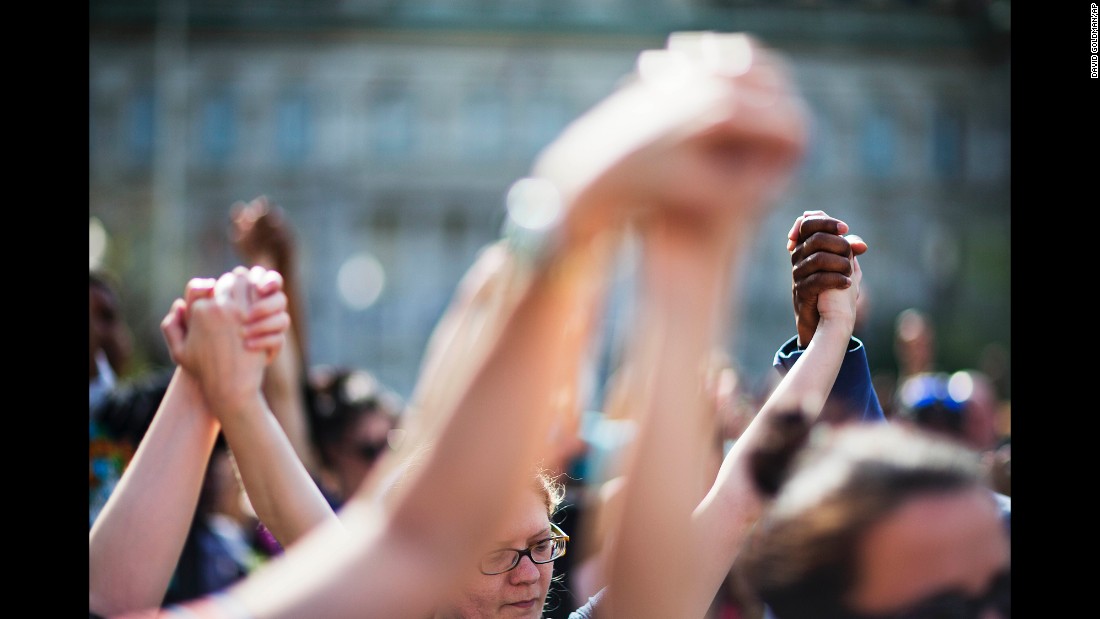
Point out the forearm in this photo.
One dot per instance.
(853, 396)
(282, 388)
(299, 327)
(283, 257)
(283, 378)
(537, 343)
(135, 543)
(488, 292)
(281, 491)
(298, 582)
(733, 505)
(685, 299)
(364, 570)
(809, 382)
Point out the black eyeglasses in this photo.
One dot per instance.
(542, 551)
(955, 605)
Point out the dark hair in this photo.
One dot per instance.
(770, 462)
(337, 397)
(926, 400)
(831, 484)
(106, 281)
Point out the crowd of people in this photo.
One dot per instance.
(259, 484)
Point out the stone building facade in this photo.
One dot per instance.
(389, 132)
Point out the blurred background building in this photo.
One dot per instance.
(390, 130)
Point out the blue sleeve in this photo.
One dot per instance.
(852, 390)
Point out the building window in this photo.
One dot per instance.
(141, 114)
(218, 127)
(877, 140)
(292, 127)
(543, 120)
(391, 115)
(93, 127)
(948, 129)
(483, 126)
(818, 146)
(455, 225)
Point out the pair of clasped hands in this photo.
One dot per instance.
(225, 332)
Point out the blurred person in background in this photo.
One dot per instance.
(984, 429)
(914, 343)
(120, 409)
(354, 420)
(914, 353)
(109, 338)
(963, 408)
(225, 542)
(875, 520)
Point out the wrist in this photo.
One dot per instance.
(230, 405)
(674, 261)
(534, 211)
(834, 328)
(545, 227)
(188, 385)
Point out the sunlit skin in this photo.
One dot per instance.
(932, 544)
(520, 592)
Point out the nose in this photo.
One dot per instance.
(525, 572)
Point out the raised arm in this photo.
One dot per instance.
(134, 545)
(820, 258)
(284, 496)
(264, 237)
(704, 218)
(727, 513)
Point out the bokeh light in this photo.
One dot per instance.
(97, 243)
(360, 281)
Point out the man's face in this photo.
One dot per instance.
(106, 328)
(520, 592)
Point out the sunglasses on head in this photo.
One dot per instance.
(954, 604)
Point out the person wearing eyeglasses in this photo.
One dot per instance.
(513, 573)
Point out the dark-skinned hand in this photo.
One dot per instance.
(821, 257)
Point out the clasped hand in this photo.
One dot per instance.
(224, 332)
